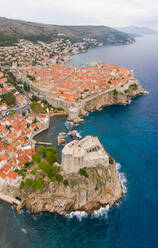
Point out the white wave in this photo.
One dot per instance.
(69, 125)
(129, 102)
(122, 178)
(102, 212)
(24, 230)
(78, 135)
(77, 214)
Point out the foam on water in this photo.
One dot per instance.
(24, 230)
(102, 212)
(122, 178)
(78, 135)
(77, 214)
(80, 215)
(69, 125)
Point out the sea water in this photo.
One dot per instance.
(130, 134)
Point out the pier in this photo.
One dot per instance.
(43, 143)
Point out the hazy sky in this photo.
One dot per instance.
(81, 12)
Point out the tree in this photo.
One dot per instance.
(59, 178)
(36, 158)
(41, 150)
(34, 98)
(26, 87)
(36, 107)
(51, 154)
(9, 98)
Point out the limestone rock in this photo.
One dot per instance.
(73, 134)
(61, 138)
(101, 188)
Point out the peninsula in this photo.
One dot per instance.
(86, 178)
(80, 90)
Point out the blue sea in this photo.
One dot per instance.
(130, 134)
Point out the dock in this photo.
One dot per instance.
(44, 143)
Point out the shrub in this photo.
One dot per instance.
(133, 86)
(53, 179)
(36, 158)
(126, 91)
(22, 185)
(35, 184)
(115, 92)
(34, 171)
(59, 178)
(66, 182)
(111, 160)
(83, 172)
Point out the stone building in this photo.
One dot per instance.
(87, 152)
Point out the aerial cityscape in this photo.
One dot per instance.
(78, 124)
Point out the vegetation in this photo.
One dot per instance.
(26, 87)
(83, 172)
(31, 77)
(9, 98)
(133, 86)
(35, 32)
(34, 183)
(36, 158)
(34, 98)
(111, 160)
(115, 92)
(43, 165)
(65, 182)
(36, 107)
(126, 91)
(34, 171)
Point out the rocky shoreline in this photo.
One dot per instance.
(101, 188)
(116, 96)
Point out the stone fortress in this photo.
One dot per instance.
(87, 152)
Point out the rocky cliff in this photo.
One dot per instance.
(101, 187)
(121, 95)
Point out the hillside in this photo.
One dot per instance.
(137, 31)
(12, 30)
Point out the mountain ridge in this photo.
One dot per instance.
(13, 29)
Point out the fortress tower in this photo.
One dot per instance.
(87, 152)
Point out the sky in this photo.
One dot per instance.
(114, 13)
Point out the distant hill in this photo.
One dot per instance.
(11, 30)
(137, 31)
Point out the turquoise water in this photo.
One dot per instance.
(130, 135)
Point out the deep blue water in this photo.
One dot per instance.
(130, 135)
